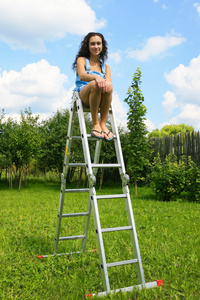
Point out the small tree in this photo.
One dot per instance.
(138, 147)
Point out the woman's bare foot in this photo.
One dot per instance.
(97, 131)
(108, 135)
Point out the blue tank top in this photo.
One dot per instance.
(80, 84)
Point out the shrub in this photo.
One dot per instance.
(168, 178)
(192, 181)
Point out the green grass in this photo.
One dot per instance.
(168, 234)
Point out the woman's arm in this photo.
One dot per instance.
(81, 65)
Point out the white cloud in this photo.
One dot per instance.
(119, 110)
(197, 5)
(115, 57)
(185, 81)
(150, 125)
(27, 24)
(155, 46)
(189, 115)
(38, 85)
(169, 102)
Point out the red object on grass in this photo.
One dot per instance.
(88, 295)
(160, 282)
(40, 256)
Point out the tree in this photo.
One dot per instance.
(170, 130)
(138, 147)
(20, 142)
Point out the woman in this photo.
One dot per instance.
(93, 81)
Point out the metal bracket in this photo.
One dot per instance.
(125, 179)
(91, 180)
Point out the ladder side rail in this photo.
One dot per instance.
(133, 234)
(86, 226)
(118, 148)
(85, 144)
(99, 237)
(64, 175)
(127, 200)
(87, 219)
(69, 137)
(97, 155)
(88, 164)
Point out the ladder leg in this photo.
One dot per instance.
(129, 210)
(99, 237)
(64, 175)
(86, 227)
(134, 239)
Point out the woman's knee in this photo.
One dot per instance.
(109, 87)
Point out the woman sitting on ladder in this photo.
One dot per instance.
(93, 81)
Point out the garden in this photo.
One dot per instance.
(164, 187)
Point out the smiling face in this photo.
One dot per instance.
(95, 45)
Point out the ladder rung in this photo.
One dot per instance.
(106, 165)
(88, 136)
(95, 165)
(76, 165)
(124, 262)
(76, 237)
(111, 196)
(76, 190)
(116, 229)
(76, 214)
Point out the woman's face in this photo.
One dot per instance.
(95, 45)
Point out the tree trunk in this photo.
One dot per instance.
(136, 193)
(101, 178)
(20, 179)
(10, 178)
(79, 179)
(85, 183)
(45, 176)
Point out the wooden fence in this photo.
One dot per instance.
(183, 144)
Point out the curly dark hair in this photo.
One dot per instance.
(84, 49)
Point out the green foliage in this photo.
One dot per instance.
(167, 179)
(137, 146)
(170, 130)
(170, 178)
(192, 182)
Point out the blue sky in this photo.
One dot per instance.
(39, 40)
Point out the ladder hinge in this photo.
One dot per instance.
(125, 179)
(92, 180)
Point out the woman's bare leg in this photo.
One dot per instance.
(91, 96)
(106, 100)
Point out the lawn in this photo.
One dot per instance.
(168, 234)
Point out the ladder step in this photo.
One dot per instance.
(121, 263)
(76, 214)
(111, 196)
(116, 228)
(89, 137)
(76, 190)
(95, 165)
(77, 165)
(76, 237)
(106, 165)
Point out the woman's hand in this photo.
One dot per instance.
(101, 83)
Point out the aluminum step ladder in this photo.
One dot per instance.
(91, 170)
